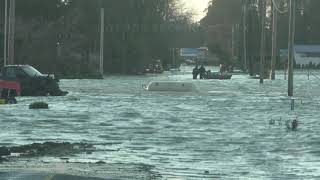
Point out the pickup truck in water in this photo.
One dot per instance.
(27, 81)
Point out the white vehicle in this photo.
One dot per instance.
(175, 86)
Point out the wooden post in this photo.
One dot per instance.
(292, 104)
(101, 41)
(174, 63)
(291, 46)
(11, 32)
(308, 72)
(274, 42)
(263, 45)
(285, 71)
(5, 49)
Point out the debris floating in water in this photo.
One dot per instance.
(292, 125)
(272, 122)
(39, 105)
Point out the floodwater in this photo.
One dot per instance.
(220, 131)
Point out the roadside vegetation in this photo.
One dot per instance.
(62, 36)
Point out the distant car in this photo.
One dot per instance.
(27, 81)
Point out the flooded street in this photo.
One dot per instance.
(220, 131)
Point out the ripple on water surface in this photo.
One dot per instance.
(222, 131)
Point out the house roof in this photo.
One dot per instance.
(189, 52)
(307, 48)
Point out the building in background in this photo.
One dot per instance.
(303, 55)
(194, 55)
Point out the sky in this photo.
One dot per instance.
(198, 6)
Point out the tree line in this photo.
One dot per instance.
(63, 35)
(225, 15)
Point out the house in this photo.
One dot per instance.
(196, 54)
(307, 54)
(303, 55)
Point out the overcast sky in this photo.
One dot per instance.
(198, 6)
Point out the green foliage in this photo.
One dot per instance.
(224, 57)
(222, 15)
(63, 36)
(224, 12)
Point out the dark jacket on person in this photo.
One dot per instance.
(195, 72)
(202, 72)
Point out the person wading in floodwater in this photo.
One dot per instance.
(195, 72)
(202, 72)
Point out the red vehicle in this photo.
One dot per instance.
(7, 96)
(11, 85)
(27, 81)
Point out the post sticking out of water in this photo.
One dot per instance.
(308, 72)
(291, 45)
(285, 71)
(292, 104)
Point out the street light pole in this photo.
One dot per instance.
(292, 11)
(101, 40)
(5, 49)
(11, 32)
(274, 41)
(263, 38)
(245, 34)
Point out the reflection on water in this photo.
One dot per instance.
(220, 131)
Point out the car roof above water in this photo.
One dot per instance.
(176, 86)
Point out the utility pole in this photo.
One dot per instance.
(11, 33)
(274, 41)
(245, 34)
(292, 14)
(173, 58)
(5, 49)
(101, 40)
(263, 38)
(233, 41)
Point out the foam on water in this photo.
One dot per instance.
(220, 132)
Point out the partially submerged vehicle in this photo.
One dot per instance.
(154, 68)
(213, 75)
(238, 72)
(27, 81)
(174, 86)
